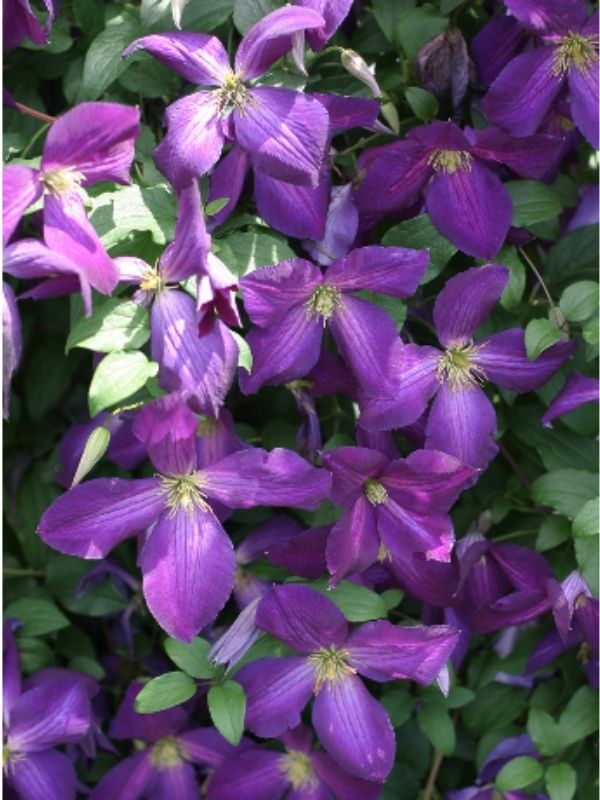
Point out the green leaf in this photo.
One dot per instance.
(244, 351)
(553, 531)
(533, 202)
(575, 255)
(166, 691)
(104, 60)
(434, 720)
(34, 495)
(65, 573)
(586, 522)
(399, 705)
(419, 233)
(540, 334)
(38, 616)
(544, 731)
(34, 655)
(95, 447)
(245, 252)
(513, 292)
(423, 103)
(493, 707)
(459, 696)
(204, 17)
(88, 665)
(227, 706)
(518, 773)
(580, 717)
(388, 14)
(561, 781)
(357, 603)
(587, 555)
(192, 658)
(579, 300)
(417, 26)
(113, 325)
(145, 77)
(247, 13)
(117, 215)
(566, 490)
(212, 208)
(117, 377)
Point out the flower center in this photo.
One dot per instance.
(457, 366)
(298, 769)
(232, 95)
(10, 757)
(581, 601)
(576, 51)
(207, 426)
(151, 280)
(167, 753)
(331, 665)
(323, 302)
(383, 554)
(375, 492)
(61, 181)
(184, 491)
(584, 653)
(450, 161)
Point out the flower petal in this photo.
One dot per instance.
(466, 301)
(497, 43)
(577, 391)
(354, 728)
(129, 780)
(341, 227)
(353, 544)
(528, 156)
(21, 187)
(346, 113)
(405, 532)
(351, 467)
(188, 252)
(197, 57)
(583, 86)
(395, 271)
(177, 781)
(188, 564)
(93, 517)
(206, 746)
(431, 582)
(549, 16)
(298, 211)
(334, 12)
(128, 724)
(270, 292)
(167, 428)
(277, 689)
(286, 132)
(302, 554)
(255, 774)
(227, 181)
(340, 782)
(56, 713)
(49, 774)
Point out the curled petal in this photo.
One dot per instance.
(334, 12)
(21, 187)
(227, 181)
(188, 252)
(577, 391)
(341, 227)
(196, 57)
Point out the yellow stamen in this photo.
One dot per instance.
(576, 51)
(375, 492)
(10, 758)
(207, 426)
(184, 491)
(458, 367)
(584, 653)
(232, 95)
(151, 280)
(383, 554)
(450, 161)
(298, 769)
(331, 665)
(166, 753)
(323, 302)
(61, 181)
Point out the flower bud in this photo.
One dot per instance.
(357, 66)
(444, 66)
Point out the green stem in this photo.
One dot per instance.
(515, 534)
(361, 143)
(34, 139)
(537, 274)
(15, 572)
(33, 112)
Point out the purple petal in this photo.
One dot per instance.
(528, 156)
(92, 518)
(270, 292)
(577, 391)
(21, 187)
(353, 544)
(188, 564)
(56, 713)
(286, 132)
(298, 211)
(129, 780)
(504, 360)
(334, 12)
(384, 652)
(277, 689)
(341, 783)
(271, 38)
(187, 254)
(255, 477)
(341, 227)
(354, 728)
(462, 423)
(405, 532)
(198, 58)
(497, 43)
(583, 87)
(206, 746)
(351, 467)
(96, 139)
(216, 439)
(193, 141)
(548, 648)
(503, 752)
(396, 271)
(277, 529)
(431, 582)
(482, 209)
(177, 781)
(11, 671)
(49, 774)
(588, 210)
(466, 301)
(227, 180)
(254, 775)
(167, 428)
(11, 343)
(302, 554)
(128, 724)
(513, 609)
(523, 93)
(551, 15)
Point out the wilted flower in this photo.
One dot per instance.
(444, 66)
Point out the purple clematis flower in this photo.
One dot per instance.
(392, 508)
(298, 774)
(19, 22)
(353, 728)
(452, 169)
(11, 343)
(462, 420)
(36, 721)
(577, 391)
(187, 559)
(293, 301)
(285, 131)
(164, 768)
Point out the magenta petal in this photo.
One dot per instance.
(351, 467)
(49, 774)
(583, 86)
(196, 57)
(255, 774)
(128, 724)
(286, 132)
(55, 713)
(482, 209)
(277, 689)
(354, 728)
(298, 211)
(129, 780)
(521, 96)
(466, 301)
(353, 544)
(396, 271)
(167, 428)
(193, 141)
(188, 564)
(255, 477)
(385, 652)
(302, 618)
(577, 391)
(21, 187)
(504, 361)
(462, 423)
(187, 254)
(270, 292)
(271, 38)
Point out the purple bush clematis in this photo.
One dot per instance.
(187, 559)
(353, 728)
(285, 131)
(577, 391)
(452, 169)
(392, 508)
(292, 302)
(462, 420)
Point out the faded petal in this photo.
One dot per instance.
(395, 271)
(21, 187)
(353, 544)
(198, 58)
(583, 87)
(577, 391)
(48, 774)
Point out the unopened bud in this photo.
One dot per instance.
(357, 66)
(444, 66)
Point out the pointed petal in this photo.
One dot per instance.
(177, 781)
(353, 544)
(128, 724)
(270, 292)
(206, 746)
(340, 782)
(167, 428)
(11, 671)
(577, 391)
(334, 12)
(504, 360)
(188, 564)
(462, 423)
(193, 141)
(298, 211)
(497, 43)
(198, 58)
(93, 517)
(49, 774)
(254, 775)
(255, 477)
(271, 38)
(341, 227)
(482, 209)
(513, 609)
(351, 467)
(395, 271)
(354, 728)
(346, 113)
(583, 86)
(286, 132)
(21, 187)
(431, 582)
(522, 94)
(227, 180)
(53, 714)
(528, 156)
(405, 532)
(129, 780)
(466, 301)
(277, 689)
(187, 254)
(302, 554)
(384, 652)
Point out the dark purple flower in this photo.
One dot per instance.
(462, 420)
(444, 67)
(577, 391)
(11, 343)
(353, 728)
(187, 559)
(20, 22)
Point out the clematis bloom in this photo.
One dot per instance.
(578, 390)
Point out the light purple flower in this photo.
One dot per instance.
(577, 391)
(20, 22)
(462, 420)
(353, 728)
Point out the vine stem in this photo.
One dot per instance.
(32, 112)
(15, 572)
(537, 274)
(432, 777)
